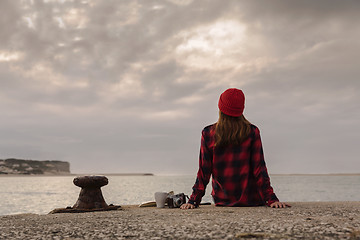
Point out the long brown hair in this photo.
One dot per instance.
(231, 130)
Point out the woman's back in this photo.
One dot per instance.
(231, 152)
(233, 167)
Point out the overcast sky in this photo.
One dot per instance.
(127, 86)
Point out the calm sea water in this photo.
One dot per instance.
(34, 194)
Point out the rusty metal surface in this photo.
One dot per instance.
(91, 181)
(90, 197)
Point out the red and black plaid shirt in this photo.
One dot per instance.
(239, 174)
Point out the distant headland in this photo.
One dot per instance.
(12, 166)
(121, 174)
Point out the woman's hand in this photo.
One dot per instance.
(187, 206)
(279, 205)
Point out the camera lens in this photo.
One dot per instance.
(178, 202)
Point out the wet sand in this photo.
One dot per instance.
(320, 220)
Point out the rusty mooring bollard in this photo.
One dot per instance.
(90, 197)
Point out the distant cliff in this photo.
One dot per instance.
(31, 167)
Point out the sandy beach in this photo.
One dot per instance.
(320, 220)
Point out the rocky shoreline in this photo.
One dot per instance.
(13, 166)
(304, 220)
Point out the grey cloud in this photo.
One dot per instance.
(107, 82)
(11, 15)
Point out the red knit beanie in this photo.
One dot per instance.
(232, 102)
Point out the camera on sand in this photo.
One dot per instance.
(175, 201)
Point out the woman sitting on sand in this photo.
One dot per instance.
(231, 151)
